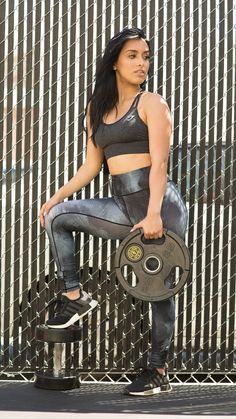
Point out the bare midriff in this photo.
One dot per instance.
(124, 163)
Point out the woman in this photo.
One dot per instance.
(131, 128)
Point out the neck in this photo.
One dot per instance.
(126, 93)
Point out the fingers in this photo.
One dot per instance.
(151, 230)
(46, 207)
(148, 234)
(41, 217)
(135, 227)
(42, 214)
(153, 235)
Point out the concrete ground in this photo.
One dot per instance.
(95, 401)
(38, 415)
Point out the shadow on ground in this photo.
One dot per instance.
(108, 398)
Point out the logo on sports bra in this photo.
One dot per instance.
(130, 117)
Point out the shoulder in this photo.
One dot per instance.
(154, 102)
(155, 111)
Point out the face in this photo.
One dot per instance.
(133, 62)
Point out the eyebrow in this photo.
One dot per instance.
(135, 50)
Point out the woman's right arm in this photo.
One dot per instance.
(88, 171)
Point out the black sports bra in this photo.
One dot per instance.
(128, 135)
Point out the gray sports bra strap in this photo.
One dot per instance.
(136, 100)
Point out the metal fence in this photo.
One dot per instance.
(47, 63)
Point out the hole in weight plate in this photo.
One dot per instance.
(152, 264)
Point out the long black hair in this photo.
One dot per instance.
(105, 94)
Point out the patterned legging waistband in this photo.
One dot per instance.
(130, 182)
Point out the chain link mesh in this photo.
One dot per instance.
(47, 63)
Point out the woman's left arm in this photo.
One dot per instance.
(159, 124)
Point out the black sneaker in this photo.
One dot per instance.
(147, 383)
(70, 311)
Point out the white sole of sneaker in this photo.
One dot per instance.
(152, 392)
(75, 318)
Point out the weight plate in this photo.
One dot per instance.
(47, 381)
(145, 274)
(45, 334)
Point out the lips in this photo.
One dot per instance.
(140, 72)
